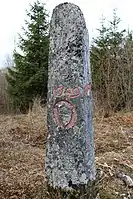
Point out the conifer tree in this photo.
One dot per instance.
(106, 54)
(28, 78)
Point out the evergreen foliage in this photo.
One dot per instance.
(27, 79)
(110, 79)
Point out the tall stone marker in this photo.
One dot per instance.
(69, 162)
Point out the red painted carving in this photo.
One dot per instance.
(87, 89)
(68, 92)
(71, 93)
(58, 91)
(75, 92)
(67, 120)
(72, 117)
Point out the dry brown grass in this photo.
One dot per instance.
(22, 149)
(114, 153)
(3, 93)
(22, 143)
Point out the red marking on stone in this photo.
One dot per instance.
(87, 89)
(56, 115)
(73, 116)
(58, 91)
(68, 92)
(71, 93)
(75, 92)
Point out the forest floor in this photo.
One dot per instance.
(22, 149)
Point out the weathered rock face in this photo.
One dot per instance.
(70, 146)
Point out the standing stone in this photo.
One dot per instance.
(69, 165)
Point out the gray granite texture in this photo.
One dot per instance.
(70, 145)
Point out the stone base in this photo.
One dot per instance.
(89, 191)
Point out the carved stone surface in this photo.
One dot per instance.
(70, 145)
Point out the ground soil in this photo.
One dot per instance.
(22, 154)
